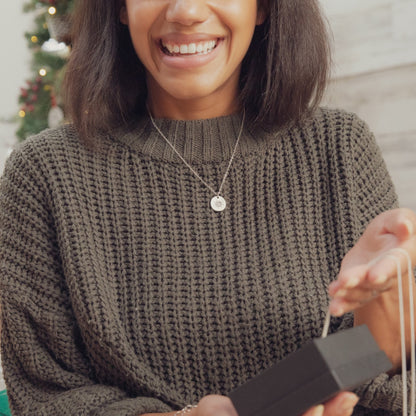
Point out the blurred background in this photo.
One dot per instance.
(374, 75)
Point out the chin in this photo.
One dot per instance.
(191, 93)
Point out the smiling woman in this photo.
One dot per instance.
(205, 83)
(181, 235)
(261, 52)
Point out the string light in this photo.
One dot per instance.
(22, 113)
(42, 72)
(52, 10)
(34, 39)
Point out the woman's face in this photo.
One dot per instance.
(192, 50)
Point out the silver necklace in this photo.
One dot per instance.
(218, 202)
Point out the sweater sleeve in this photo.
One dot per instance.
(373, 193)
(46, 365)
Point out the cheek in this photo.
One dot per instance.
(241, 13)
(240, 17)
(241, 23)
(141, 16)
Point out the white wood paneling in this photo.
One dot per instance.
(385, 99)
(375, 77)
(371, 35)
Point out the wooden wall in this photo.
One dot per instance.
(375, 76)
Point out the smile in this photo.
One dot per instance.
(195, 48)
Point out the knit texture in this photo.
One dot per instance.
(123, 292)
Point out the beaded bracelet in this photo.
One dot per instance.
(186, 410)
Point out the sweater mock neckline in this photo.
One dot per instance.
(197, 141)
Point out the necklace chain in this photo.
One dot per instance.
(190, 167)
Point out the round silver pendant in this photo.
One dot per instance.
(218, 203)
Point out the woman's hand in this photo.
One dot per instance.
(341, 405)
(215, 405)
(367, 281)
(359, 280)
(365, 286)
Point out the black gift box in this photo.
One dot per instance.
(312, 375)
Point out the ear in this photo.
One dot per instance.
(123, 15)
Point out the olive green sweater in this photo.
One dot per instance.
(123, 292)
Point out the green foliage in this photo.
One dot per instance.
(41, 32)
(63, 7)
(42, 91)
(35, 101)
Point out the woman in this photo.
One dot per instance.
(181, 235)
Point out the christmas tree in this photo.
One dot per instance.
(40, 103)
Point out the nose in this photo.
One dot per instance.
(187, 12)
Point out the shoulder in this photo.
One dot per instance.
(33, 161)
(63, 137)
(48, 160)
(337, 120)
(345, 130)
(332, 123)
(47, 141)
(351, 144)
(56, 147)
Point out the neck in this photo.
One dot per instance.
(191, 109)
(198, 141)
(218, 104)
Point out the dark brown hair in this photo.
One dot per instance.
(283, 75)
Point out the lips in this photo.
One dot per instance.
(190, 48)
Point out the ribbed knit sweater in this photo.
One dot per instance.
(123, 292)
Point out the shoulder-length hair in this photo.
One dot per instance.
(283, 75)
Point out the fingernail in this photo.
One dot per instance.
(380, 279)
(409, 226)
(350, 283)
(349, 403)
(336, 310)
(341, 293)
(319, 410)
(348, 411)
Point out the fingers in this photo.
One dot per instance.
(400, 222)
(341, 405)
(386, 266)
(359, 284)
(349, 300)
(401, 225)
(347, 293)
(350, 277)
(215, 405)
(315, 411)
(351, 290)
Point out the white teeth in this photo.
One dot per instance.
(192, 48)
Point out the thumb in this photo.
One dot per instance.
(341, 405)
(400, 222)
(315, 411)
